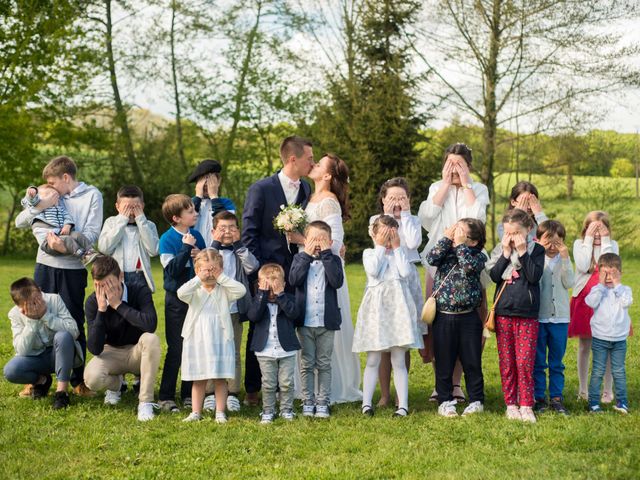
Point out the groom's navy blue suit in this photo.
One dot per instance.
(262, 205)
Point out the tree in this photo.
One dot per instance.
(622, 167)
(545, 55)
(371, 119)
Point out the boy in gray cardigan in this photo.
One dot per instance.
(553, 318)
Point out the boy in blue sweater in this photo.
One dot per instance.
(178, 246)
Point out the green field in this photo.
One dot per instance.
(90, 440)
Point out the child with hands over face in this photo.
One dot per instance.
(386, 317)
(275, 314)
(610, 325)
(457, 328)
(317, 274)
(208, 350)
(516, 265)
(524, 196)
(130, 237)
(595, 240)
(553, 317)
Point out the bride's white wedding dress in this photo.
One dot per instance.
(345, 365)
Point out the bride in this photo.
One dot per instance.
(330, 204)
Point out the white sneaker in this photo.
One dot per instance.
(233, 404)
(266, 418)
(145, 411)
(448, 409)
(287, 415)
(513, 413)
(527, 414)
(112, 397)
(474, 407)
(193, 417)
(221, 417)
(308, 410)
(210, 403)
(322, 411)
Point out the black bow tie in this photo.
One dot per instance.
(225, 247)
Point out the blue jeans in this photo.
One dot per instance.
(601, 349)
(552, 338)
(56, 359)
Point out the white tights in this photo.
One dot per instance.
(584, 354)
(400, 376)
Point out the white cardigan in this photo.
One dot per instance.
(583, 250)
(380, 267)
(435, 219)
(111, 242)
(225, 292)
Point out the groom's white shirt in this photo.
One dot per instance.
(290, 192)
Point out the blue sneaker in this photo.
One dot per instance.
(595, 409)
(621, 407)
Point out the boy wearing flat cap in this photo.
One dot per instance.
(206, 200)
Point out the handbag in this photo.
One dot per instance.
(490, 322)
(429, 308)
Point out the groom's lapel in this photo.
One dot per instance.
(303, 194)
(279, 192)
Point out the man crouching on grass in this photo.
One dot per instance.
(44, 334)
(121, 320)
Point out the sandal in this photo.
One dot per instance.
(459, 398)
(434, 396)
(401, 412)
(367, 410)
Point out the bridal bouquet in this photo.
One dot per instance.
(291, 218)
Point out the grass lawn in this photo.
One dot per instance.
(90, 440)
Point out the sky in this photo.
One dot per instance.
(619, 111)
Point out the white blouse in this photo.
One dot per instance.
(410, 233)
(435, 218)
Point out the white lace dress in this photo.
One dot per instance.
(345, 365)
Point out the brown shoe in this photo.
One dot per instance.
(26, 391)
(82, 390)
(251, 399)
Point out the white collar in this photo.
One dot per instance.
(284, 178)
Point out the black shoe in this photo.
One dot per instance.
(558, 407)
(60, 400)
(367, 410)
(540, 406)
(136, 386)
(41, 390)
(123, 387)
(401, 412)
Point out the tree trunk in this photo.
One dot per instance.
(490, 119)
(176, 94)
(7, 230)
(241, 88)
(569, 180)
(121, 114)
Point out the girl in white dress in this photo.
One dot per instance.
(453, 198)
(395, 200)
(386, 317)
(330, 203)
(208, 350)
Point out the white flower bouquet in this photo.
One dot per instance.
(291, 218)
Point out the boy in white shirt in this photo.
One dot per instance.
(130, 237)
(610, 326)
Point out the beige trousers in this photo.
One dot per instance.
(143, 358)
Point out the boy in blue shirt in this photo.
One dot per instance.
(178, 246)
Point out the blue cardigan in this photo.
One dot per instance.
(334, 276)
(180, 269)
(288, 316)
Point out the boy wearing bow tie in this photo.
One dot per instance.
(238, 263)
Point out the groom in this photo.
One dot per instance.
(262, 205)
